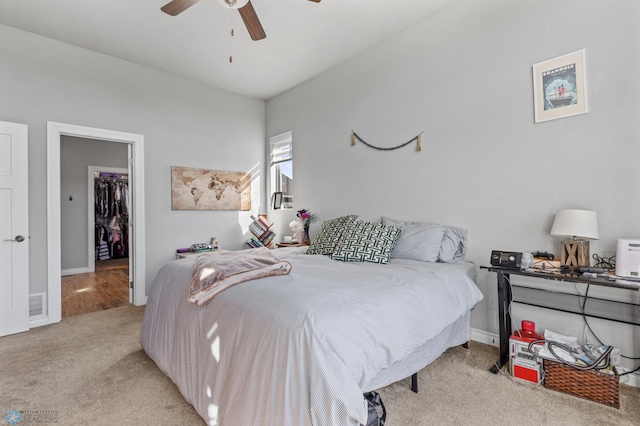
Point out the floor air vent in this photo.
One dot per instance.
(37, 304)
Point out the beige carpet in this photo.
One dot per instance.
(91, 370)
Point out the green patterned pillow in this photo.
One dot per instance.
(329, 234)
(367, 242)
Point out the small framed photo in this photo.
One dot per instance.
(559, 87)
(277, 200)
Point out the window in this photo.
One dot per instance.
(282, 168)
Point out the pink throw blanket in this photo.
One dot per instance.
(215, 272)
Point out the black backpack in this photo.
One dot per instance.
(376, 411)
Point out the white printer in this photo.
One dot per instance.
(628, 258)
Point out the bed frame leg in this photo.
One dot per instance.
(414, 376)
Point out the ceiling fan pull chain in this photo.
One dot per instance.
(232, 35)
(230, 47)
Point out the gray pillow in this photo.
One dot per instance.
(366, 242)
(452, 246)
(329, 235)
(418, 241)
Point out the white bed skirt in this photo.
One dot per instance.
(455, 334)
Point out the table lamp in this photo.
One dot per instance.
(580, 226)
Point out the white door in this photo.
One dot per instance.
(14, 233)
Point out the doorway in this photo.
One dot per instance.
(94, 213)
(80, 160)
(55, 132)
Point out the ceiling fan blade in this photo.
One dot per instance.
(251, 21)
(177, 6)
(316, 1)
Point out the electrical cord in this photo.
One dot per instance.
(514, 328)
(584, 318)
(604, 262)
(595, 365)
(631, 371)
(607, 263)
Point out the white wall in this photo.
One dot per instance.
(183, 123)
(464, 78)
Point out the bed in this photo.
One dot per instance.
(300, 349)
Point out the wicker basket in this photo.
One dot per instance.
(588, 384)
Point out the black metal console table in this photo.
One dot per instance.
(560, 302)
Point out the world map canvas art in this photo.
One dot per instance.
(204, 189)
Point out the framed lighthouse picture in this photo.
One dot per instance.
(559, 87)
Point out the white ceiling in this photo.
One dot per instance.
(303, 40)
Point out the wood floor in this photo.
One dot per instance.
(107, 287)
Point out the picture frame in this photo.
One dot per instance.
(559, 87)
(208, 189)
(277, 200)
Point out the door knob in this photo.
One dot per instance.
(18, 239)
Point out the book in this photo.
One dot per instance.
(262, 234)
(256, 229)
(263, 220)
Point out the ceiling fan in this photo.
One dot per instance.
(247, 12)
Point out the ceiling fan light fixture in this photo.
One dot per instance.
(233, 4)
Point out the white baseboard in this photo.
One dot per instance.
(492, 339)
(75, 271)
(142, 304)
(38, 321)
(632, 379)
(485, 337)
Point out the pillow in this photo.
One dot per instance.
(419, 241)
(329, 234)
(366, 242)
(452, 247)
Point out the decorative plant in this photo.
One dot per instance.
(306, 217)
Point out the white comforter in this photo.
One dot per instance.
(298, 349)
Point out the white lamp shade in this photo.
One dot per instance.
(576, 223)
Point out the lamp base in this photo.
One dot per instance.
(575, 254)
